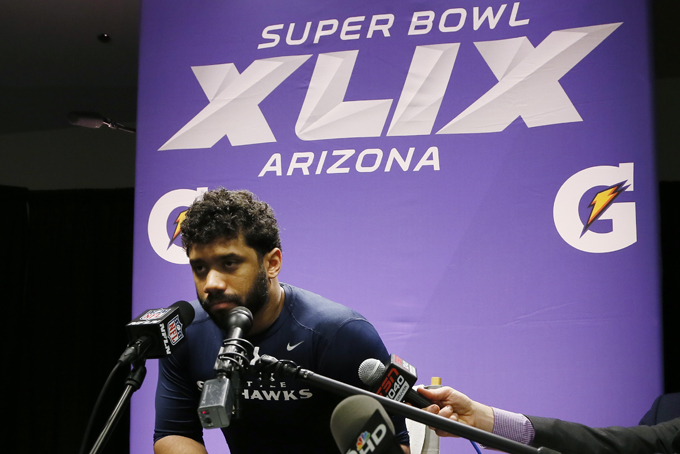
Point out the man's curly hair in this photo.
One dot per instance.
(221, 213)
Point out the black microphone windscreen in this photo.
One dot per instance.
(186, 312)
(350, 416)
(370, 371)
(86, 119)
(240, 317)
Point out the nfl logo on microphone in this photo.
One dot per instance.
(175, 330)
(153, 314)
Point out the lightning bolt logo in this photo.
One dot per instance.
(178, 224)
(602, 201)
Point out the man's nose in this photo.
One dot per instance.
(214, 282)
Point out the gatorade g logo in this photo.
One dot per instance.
(163, 230)
(590, 196)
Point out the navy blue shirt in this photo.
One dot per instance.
(286, 415)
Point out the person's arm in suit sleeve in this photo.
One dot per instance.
(563, 436)
(569, 437)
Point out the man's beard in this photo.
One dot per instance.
(255, 300)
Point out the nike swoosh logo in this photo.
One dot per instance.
(291, 347)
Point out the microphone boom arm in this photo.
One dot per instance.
(285, 368)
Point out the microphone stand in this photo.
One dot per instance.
(221, 397)
(133, 383)
(289, 369)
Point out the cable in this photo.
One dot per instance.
(97, 404)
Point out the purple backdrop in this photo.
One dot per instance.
(477, 180)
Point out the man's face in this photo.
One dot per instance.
(228, 273)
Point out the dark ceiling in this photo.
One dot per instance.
(665, 38)
(53, 61)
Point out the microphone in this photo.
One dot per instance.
(359, 424)
(239, 322)
(219, 398)
(156, 332)
(393, 379)
(95, 121)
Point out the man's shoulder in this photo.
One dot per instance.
(200, 315)
(313, 310)
(202, 327)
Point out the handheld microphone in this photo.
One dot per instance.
(156, 332)
(394, 379)
(359, 424)
(219, 398)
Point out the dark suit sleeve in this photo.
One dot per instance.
(664, 408)
(573, 438)
(649, 419)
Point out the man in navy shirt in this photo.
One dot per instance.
(234, 250)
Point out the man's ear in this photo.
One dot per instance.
(272, 263)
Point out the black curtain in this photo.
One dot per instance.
(69, 269)
(669, 203)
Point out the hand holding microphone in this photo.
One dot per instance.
(458, 407)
